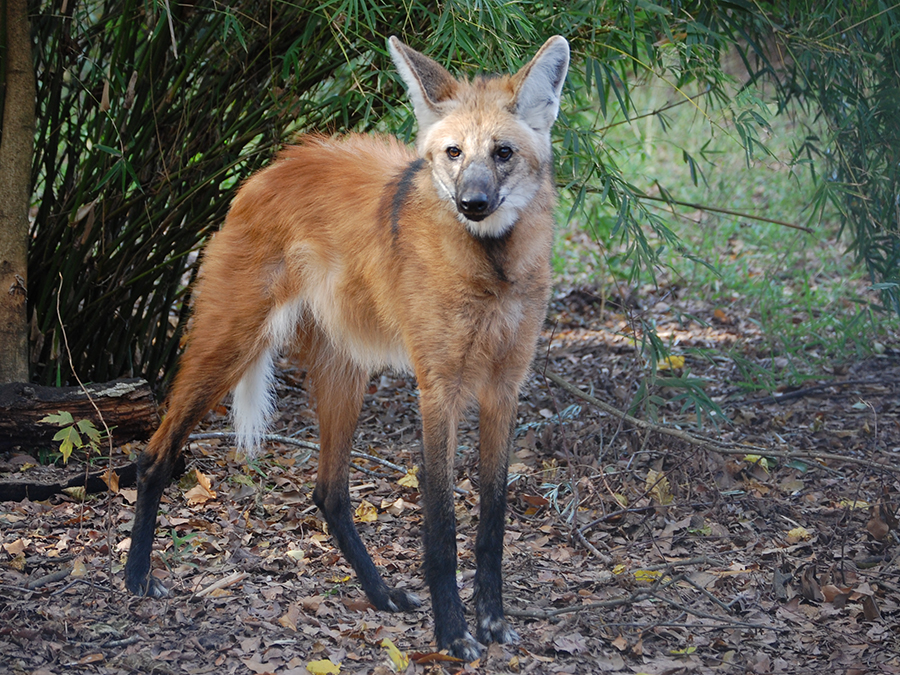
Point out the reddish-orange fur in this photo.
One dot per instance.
(355, 255)
(445, 301)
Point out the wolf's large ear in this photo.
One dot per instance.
(539, 84)
(428, 82)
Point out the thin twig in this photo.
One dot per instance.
(701, 560)
(58, 575)
(590, 547)
(712, 444)
(287, 440)
(727, 212)
(703, 615)
(657, 111)
(314, 447)
(811, 390)
(630, 599)
(13, 587)
(106, 429)
(124, 642)
(709, 595)
(75, 582)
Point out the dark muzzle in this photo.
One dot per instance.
(476, 194)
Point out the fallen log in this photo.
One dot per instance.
(16, 491)
(128, 407)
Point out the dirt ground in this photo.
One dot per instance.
(627, 550)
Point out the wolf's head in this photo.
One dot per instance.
(487, 141)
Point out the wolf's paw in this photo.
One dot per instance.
(149, 587)
(403, 601)
(393, 599)
(465, 648)
(496, 630)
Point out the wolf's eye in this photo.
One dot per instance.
(504, 152)
(453, 152)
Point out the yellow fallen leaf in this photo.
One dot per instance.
(323, 667)
(647, 576)
(757, 459)
(366, 512)
(410, 480)
(671, 363)
(618, 569)
(398, 658)
(854, 504)
(78, 493)
(658, 486)
(798, 534)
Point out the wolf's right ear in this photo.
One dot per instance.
(428, 82)
(539, 84)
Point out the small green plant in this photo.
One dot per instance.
(74, 434)
(181, 546)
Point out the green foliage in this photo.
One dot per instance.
(181, 548)
(151, 113)
(148, 119)
(146, 123)
(74, 434)
(842, 61)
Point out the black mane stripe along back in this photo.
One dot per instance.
(401, 188)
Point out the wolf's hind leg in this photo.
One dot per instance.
(339, 386)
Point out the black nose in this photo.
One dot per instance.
(474, 204)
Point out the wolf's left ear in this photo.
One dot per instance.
(539, 84)
(428, 82)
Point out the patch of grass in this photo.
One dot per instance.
(810, 300)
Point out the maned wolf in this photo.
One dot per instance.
(356, 255)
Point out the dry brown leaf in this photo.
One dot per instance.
(111, 478)
(16, 547)
(290, 618)
(620, 643)
(870, 608)
(202, 492)
(809, 586)
(79, 569)
(835, 595)
(876, 526)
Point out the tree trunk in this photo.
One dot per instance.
(16, 144)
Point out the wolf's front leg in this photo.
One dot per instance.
(439, 416)
(497, 416)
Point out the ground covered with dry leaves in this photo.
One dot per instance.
(628, 550)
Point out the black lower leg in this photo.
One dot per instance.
(491, 626)
(335, 507)
(153, 477)
(497, 417)
(450, 629)
(440, 567)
